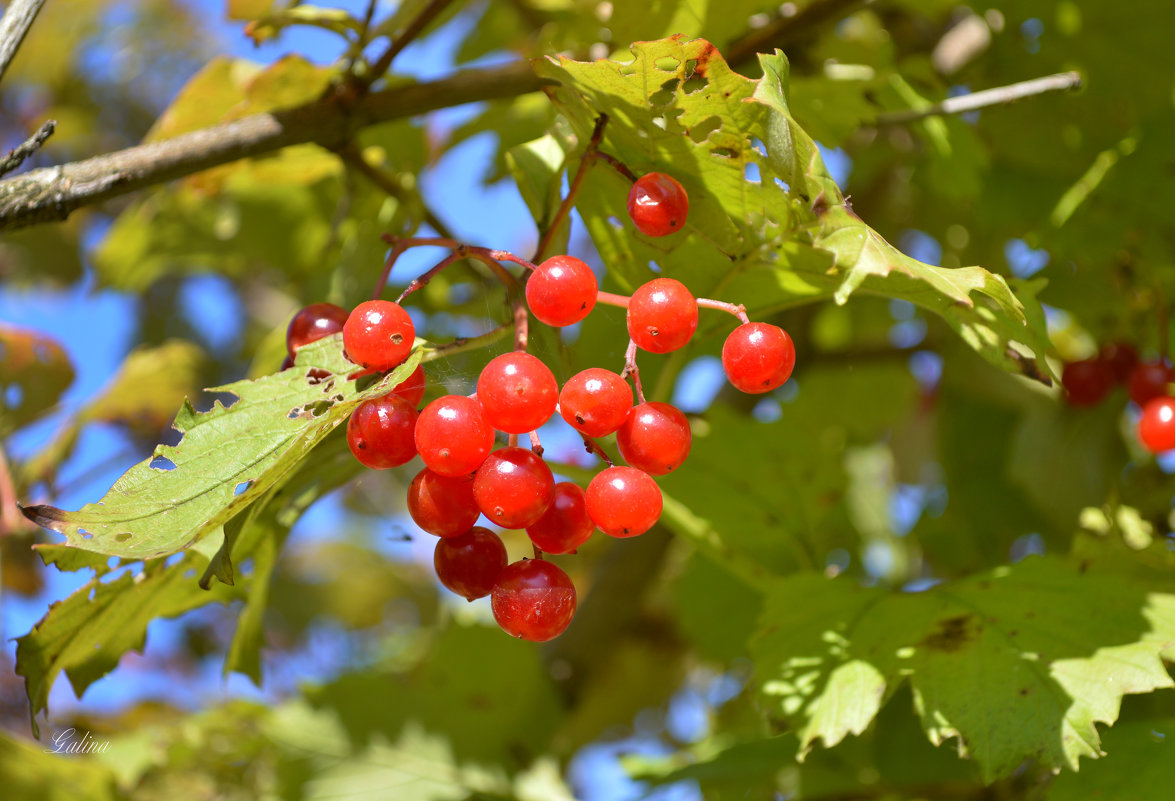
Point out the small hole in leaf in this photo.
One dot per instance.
(782, 184)
(699, 132)
(162, 463)
(112, 562)
(696, 83)
(85, 534)
(758, 146)
(244, 485)
(122, 536)
(724, 152)
(667, 64)
(751, 172)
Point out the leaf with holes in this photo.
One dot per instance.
(1018, 663)
(228, 457)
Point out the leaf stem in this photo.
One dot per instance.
(573, 188)
(630, 369)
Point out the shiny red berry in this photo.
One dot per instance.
(595, 402)
(381, 432)
(662, 315)
(534, 600)
(452, 435)
(378, 335)
(1086, 382)
(471, 563)
(758, 357)
(517, 392)
(566, 524)
(312, 323)
(442, 505)
(562, 291)
(623, 501)
(1156, 426)
(656, 438)
(658, 204)
(1149, 380)
(513, 487)
(1121, 358)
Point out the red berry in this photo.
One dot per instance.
(657, 204)
(624, 501)
(1156, 427)
(513, 487)
(566, 524)
(562, 291)
(453, 436)
(470, 564)
(381, 432)
(656, 438)
(595, 402)
(662, 315)
(312, 323)
(517, 392)
(411, 388)
(1086, 382)
(533, 599)
(1121, 357)
(758, 357)
(443, 505)
(1149, 380)
(378, 335)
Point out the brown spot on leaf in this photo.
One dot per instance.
(953, 633)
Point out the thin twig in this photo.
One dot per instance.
(17, 20)
(573, 188)
(593, 447)
(1060, 82)
(410, 32)
(388, 183)
(28, 147)
(464, 344)
(536, 444)
(737, 309)
(630, 369)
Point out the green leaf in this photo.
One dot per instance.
(228, 458)
(1039, 642)
(537, 168)
(30, 771)
(1140, 766)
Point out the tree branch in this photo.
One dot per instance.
(785, 31)
(28, 147)
(50, 194)
(17, 20)
(1060, 82)
(410, 32)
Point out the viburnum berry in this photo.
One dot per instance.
(1156, 426)
(623, 501)
(471, 563)
(758, 357)
(381, 432)
(658, 204)
(412, 388)
(378, 335)
(533, 600)
(452, 435)
(513, 487)
(517, 392)
(1086, 382)
(662, 315)
(566, 524)
(562, 291)
(442, 505)
(656, 438)
(595, 402)
(1149, 380)
(312, 323)
(1121, 358)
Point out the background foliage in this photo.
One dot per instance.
(911, 572)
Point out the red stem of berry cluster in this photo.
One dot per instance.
(630, 369)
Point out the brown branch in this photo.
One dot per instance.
(50, 194)
(573, 189)
(28, 147)
(18, 18)
(388, 183)
(783, 32)
(410, 32)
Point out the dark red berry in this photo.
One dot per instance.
(471, 563)
(657, 204)
(1121, 358)
(452, 435)
(312, 323)
(1156, 426)
(1086, 382)
(562, 291)
(758, 357)
(378, 335)
(513, 487)
(662, 315)
(624, 501)
(381, 432)
(411, 388)
(595, 402)
(517, 392)
(443, 505)
(566, 524)
(534, 600)
(656, 438)
(1149, 380)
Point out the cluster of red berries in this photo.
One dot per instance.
(513, 487)
(1089, 381)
